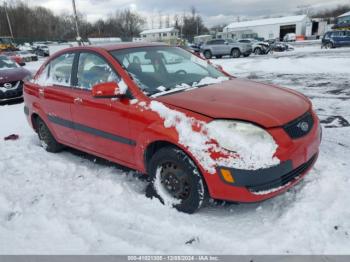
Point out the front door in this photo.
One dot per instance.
(101, 124)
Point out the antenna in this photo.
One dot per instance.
(76, 22)
(8, 19)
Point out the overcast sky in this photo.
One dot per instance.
(213, 11)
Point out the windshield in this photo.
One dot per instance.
(161, 70)
(6, 63)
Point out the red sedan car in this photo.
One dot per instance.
(195, 130)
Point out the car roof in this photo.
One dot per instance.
(125, 45)
(110, 47)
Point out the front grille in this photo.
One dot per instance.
(12, 93)
(300, 127)
(285, 179)
(13, 84)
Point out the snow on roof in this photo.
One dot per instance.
(161, 30)
(268, 21)
(345, 14)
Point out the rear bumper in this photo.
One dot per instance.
(248, 52)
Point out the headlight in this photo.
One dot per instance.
(241, 137)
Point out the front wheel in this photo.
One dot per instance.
(329, 46)
(258, 51)
(207, 54)
(176, 180)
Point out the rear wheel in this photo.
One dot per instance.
(176, 181)
(47, 140)
(235, 53)
(207, 54)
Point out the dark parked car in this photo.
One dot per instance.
(335, 39)
(41, 50)
(11, 79)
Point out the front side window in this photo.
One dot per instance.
(92, 70)
(58, 71)
(163, 69)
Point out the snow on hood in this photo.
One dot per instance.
(204, 81)
(202, 145)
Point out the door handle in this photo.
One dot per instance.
(41, 92)
(78, 100)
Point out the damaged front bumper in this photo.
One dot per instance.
(267, 179)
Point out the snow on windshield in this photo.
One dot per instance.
(181, 87)
(202, 145)
(6, 64)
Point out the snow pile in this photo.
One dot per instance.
(202, 143)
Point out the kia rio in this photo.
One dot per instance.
(196, 131)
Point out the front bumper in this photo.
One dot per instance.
(297, 157)
(14, 93)
(267, 179)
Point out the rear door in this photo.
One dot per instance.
(102, 124)
(221, 47)
(56, 98)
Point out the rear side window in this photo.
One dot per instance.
(219, 42)
(92, 70)
(58, 71)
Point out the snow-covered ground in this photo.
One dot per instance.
(71, 203)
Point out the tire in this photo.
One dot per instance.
(176, 180)
(48, 142)
(258, 51)
(218, 56)
(329, 46)
(235, 53)
(207, 54)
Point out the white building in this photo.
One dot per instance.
(104, 40)
(160, 35)
(270, 28)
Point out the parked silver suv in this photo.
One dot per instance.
(221, 47)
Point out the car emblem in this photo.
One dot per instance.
(8, 85)
(304, 126)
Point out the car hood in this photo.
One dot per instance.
(14, 74)
(246, 100)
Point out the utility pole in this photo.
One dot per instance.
(76, 22)
(8, 19)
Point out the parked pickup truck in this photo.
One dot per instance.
(221, 47)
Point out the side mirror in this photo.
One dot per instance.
(106, 90)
